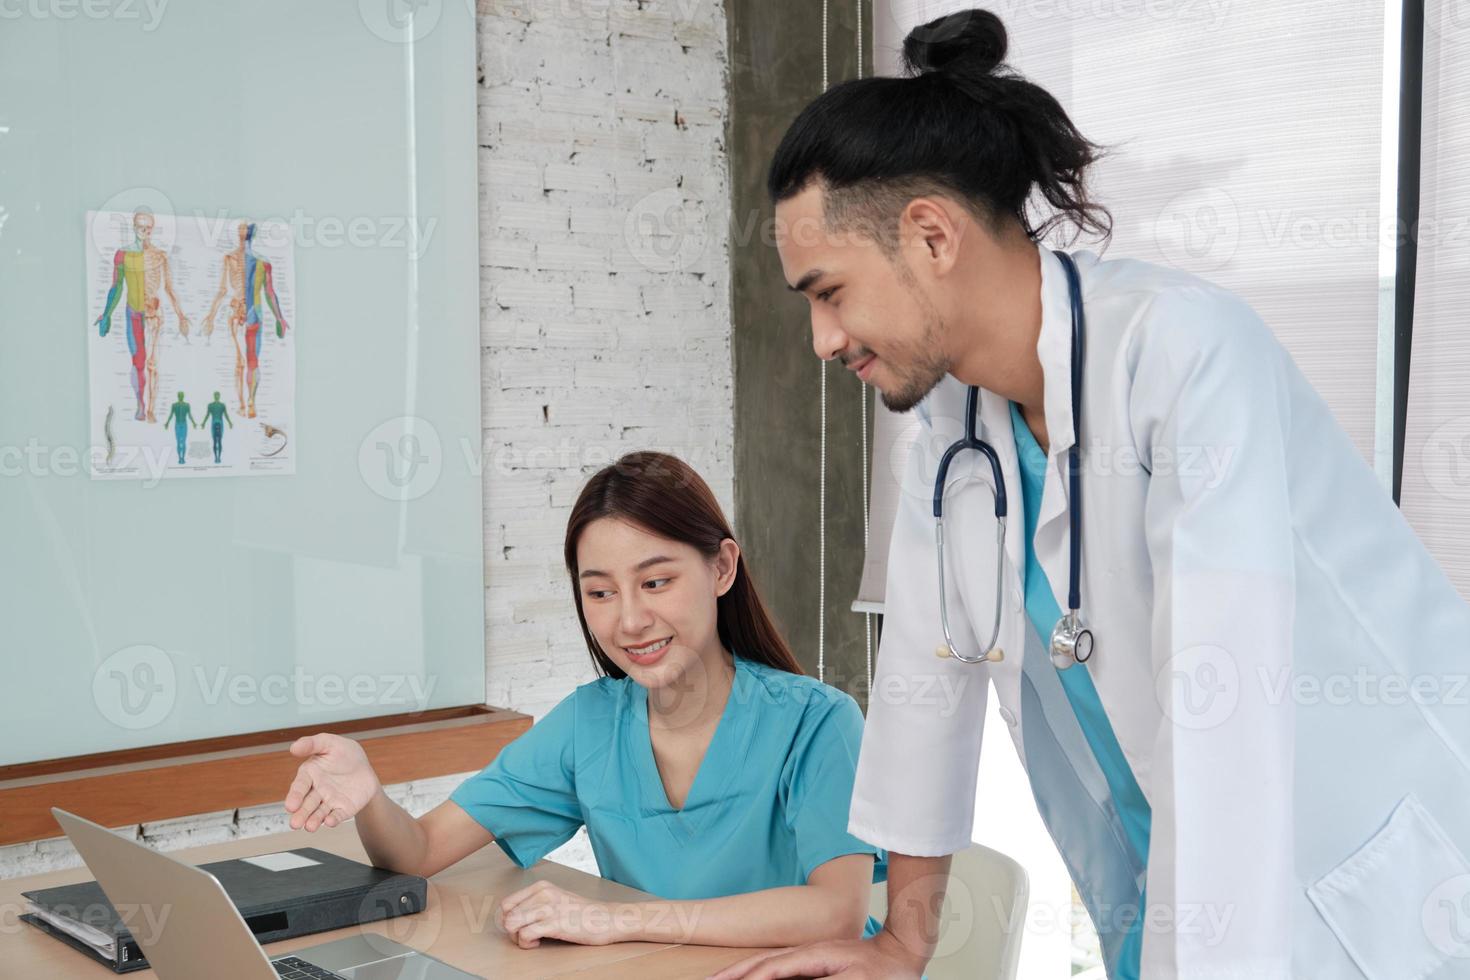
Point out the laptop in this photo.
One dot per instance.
(200, 933)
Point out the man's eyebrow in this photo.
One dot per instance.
(645, 563)
(805, 281)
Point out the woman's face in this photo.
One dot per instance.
(650, 602)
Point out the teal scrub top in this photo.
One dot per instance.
(1042, 609)
(768, 805)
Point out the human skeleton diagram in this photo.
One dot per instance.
(246, 279)
(141, 269)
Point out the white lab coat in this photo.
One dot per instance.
(1264, 618)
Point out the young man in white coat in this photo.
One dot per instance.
(1267, 748)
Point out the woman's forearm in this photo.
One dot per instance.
(391, 836)
(787, 916)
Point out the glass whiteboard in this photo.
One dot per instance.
(152, 610)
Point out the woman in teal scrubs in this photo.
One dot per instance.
(707, 768)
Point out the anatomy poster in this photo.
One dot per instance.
(191, 333)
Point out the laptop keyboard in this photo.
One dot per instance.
(295, 968)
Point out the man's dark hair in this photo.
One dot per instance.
(959, 124)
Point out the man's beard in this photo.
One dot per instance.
(929, 366)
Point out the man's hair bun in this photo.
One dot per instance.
(972, 42)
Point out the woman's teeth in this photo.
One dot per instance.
(649, 650)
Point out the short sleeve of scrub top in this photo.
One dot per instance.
(527, 796)
(817, 786)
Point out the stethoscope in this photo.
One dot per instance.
(1071, 642)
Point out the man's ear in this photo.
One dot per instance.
(727, 566)
(933, 232)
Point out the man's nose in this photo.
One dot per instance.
(828, 338)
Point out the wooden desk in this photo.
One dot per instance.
(458, 926)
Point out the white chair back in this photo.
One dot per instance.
(982, 920)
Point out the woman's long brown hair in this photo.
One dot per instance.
(663, 495)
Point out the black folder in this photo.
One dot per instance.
(331, 893)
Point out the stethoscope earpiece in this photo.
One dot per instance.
(994, 655)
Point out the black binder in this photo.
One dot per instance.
(332, 893)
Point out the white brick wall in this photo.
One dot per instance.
(605, 199)
(605, 321)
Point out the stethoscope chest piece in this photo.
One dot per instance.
(1071, 641)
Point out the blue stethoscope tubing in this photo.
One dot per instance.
(1071, 641)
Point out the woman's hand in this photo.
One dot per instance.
(879, 958)
(544, 911)
(332, 785)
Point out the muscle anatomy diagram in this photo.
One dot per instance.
(201, 268)
(246, 278)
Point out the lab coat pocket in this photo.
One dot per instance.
(1398, 904)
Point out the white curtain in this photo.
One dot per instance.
(1436, 488)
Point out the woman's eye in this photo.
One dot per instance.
(655, 583)
(598, 594)
(826, 294)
